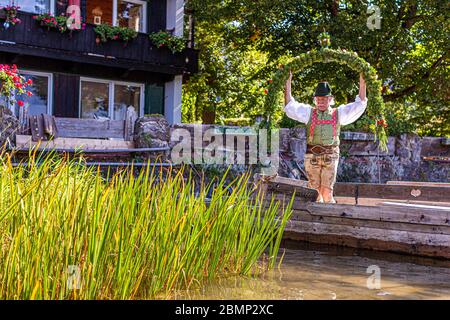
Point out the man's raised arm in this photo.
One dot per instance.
(294, 110)
(362, 87)
(351, 112)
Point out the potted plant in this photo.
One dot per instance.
(60, 23)
(165, 39)
(107, 33)
(11, 12)
(12, 85)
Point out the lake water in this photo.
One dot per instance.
(325, 273)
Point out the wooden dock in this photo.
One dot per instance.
(403, 218)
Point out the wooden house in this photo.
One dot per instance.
(77, 76)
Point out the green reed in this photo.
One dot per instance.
(131, 235)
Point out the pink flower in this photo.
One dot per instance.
(20, 103)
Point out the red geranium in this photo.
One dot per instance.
(13, 84)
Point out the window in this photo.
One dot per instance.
(131, 14)
(33, 6)
(125, 96)
(99, 11)
(41, 100)
(94, 99)
(104, 99)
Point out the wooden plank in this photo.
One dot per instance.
(373, 213)
(90, 128)
(37, 128)
(24, 141)
(415, 205)
(288, 182)
(384, 191)
(344, 240)
(298, 215)
(438, 193)
(378, 202)
(113, 164)
(365, 233)
(419, 184)
(380, 213)
(100, 151)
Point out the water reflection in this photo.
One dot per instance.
(311, 273)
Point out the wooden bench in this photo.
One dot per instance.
(52, 133)
(103, 139)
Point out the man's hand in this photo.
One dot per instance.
(362, 87)
(287, 89)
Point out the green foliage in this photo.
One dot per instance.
(12, 84)
(242, 122)
(375, 107)
(59, 23)
(105, 33)
(410, 52)
(230, 82)
(133, 235)
(11, 12)
(164, 39)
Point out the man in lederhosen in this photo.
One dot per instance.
(323, 128)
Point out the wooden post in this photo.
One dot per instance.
(23, 119)
(130, 121)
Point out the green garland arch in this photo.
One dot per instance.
(375, 107)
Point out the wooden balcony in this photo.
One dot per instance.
(31, 40)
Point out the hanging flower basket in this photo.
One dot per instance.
(11, 18)
(375, 106)
(107, 33)
(13, 84)
(163, 39)
(59, 23)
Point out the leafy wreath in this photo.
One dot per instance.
(375, 107)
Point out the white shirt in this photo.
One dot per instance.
(347, 113)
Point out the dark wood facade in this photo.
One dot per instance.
(69, 56)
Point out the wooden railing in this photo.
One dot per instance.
(83, 43)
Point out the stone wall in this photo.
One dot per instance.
(360, 159)
(9, 125)
(409, 157)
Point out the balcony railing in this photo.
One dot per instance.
(82, 47)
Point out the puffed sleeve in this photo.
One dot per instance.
(298, 111)
(351, 112)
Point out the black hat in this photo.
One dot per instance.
(323, 90)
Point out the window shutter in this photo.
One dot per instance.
(66, 95)
(154, 99)
(179, 18)
(156, 15)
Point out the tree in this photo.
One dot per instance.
(410, 51)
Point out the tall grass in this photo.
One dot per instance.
(131, 235)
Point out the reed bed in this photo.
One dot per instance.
(70, 232)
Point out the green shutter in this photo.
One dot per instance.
(154, 99)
